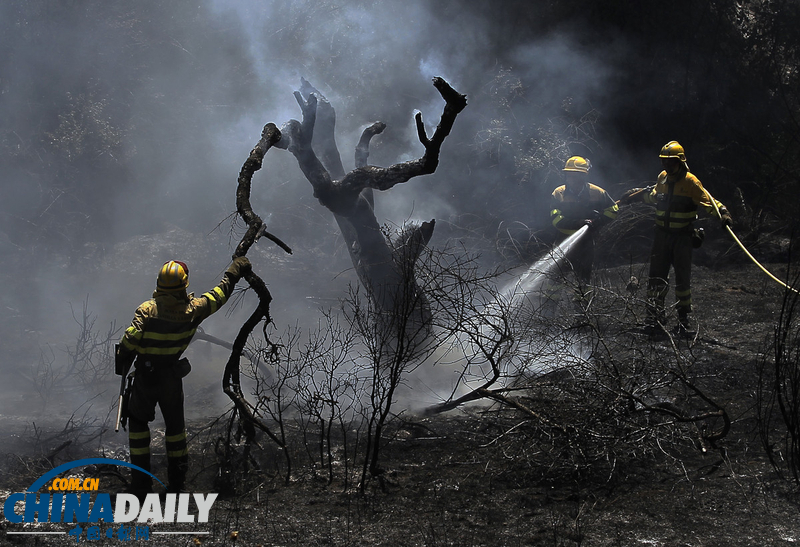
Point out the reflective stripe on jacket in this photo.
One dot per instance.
(163, 326)
(677, 198)
(568, 210)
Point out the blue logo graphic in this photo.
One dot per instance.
(82, 463)
(77, 500)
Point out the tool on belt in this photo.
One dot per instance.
(122, 366)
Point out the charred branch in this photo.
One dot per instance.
(270, 136)
(362, 154)
(384, 178)
(323, 139)
(362, 149)
(247, 353)
(255, 226)
(717, 411)
(385, 270)
(498, 395)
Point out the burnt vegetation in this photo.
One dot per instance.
(431, 403)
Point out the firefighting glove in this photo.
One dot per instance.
(725, 217)
(239, 268)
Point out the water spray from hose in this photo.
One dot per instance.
(545, 268)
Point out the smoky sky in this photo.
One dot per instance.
(375, 61)
(173, 95)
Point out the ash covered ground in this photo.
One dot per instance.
(477, 475)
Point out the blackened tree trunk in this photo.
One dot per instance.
(385, 268)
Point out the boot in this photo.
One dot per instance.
(684, 328)
(140, 485)
(654, 322)
(176, 474)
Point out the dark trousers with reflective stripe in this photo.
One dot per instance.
(670, 249)
(162, 387)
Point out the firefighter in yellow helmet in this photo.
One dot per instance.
(676, 195)
(579, 203)
(160, 331)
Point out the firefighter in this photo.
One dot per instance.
(676, 196)
(160, 331)
(579, 203)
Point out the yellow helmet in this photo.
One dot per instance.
(174, 276)
(673, 149)
(578, 164)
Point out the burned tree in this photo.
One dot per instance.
(385, 269)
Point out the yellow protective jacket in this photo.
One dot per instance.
(163, 326)
(569, 210)
(677, 198)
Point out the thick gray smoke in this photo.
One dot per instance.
(191, 89)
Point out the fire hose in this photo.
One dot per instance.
(741, 245)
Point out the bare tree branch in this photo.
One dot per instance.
(255, 229)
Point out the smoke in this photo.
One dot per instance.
(174, 96)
